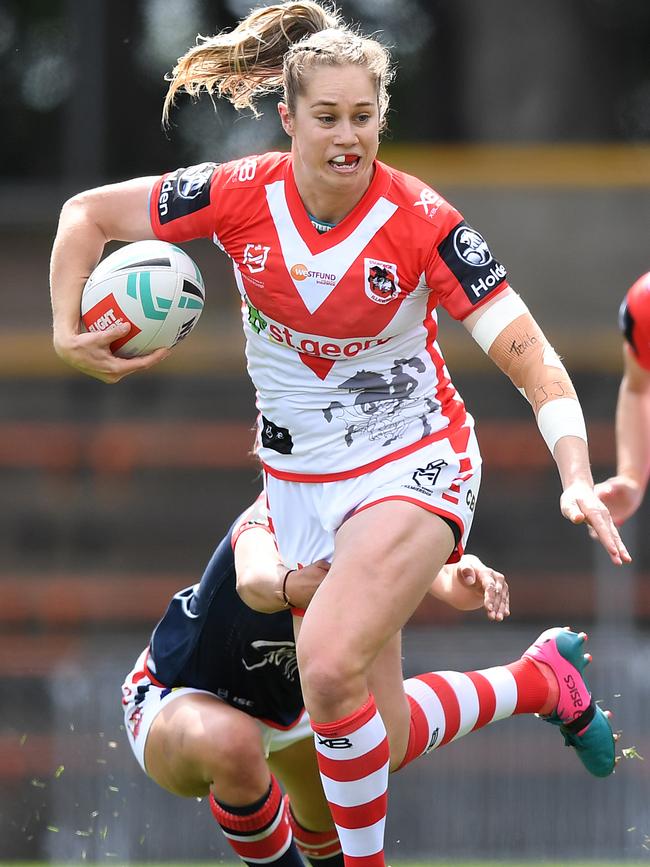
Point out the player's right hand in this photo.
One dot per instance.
(622, 496)
(90, 353)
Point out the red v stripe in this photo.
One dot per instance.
(320, 366)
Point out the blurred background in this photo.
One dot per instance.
(533, 118)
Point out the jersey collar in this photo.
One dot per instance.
(316, 241)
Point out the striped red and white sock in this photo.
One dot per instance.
(446, 705)
(353, 759)
(260, 833)
(320, 848)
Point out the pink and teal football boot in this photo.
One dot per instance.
(584, 725)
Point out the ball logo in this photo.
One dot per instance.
(299, 272)
(471, 247)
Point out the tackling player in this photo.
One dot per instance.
(213, 706)
(624, 492)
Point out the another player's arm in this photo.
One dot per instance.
(624, 492)
(465, 585)
(470, 584)
(505, 329)
(261, 573)
(88, 221)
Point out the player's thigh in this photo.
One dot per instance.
(384, 562)
(297, 768)
(197, 740)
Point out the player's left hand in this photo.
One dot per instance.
(580, 504)
(302, 583)
(490, 585)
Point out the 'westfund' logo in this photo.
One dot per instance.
(468, 257)
(105, 313)
(301, 272)
(185, 191)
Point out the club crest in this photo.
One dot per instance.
(381, 280)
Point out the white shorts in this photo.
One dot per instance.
(143, 699)
(306, 515)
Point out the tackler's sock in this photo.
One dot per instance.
(260, 833)
(320, 848)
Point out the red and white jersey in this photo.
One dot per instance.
(634, 319)
(341, 327)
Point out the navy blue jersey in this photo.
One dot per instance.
(209, 639)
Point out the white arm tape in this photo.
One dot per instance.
(561, 418)
(496, 318)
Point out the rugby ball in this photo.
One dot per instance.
(153, 286)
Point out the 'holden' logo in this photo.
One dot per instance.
(471, 247)
(193, 180)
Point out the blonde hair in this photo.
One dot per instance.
(272, 49)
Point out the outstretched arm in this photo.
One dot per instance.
(505, 329)
(88, 221)
(624, 492)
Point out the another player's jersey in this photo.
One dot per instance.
(341, 327)
(634, 319)
(209, 639)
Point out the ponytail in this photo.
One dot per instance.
(248, 62)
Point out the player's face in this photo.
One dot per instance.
(335, 129)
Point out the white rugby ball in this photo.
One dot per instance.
(153, 286)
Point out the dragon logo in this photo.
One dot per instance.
(281, 654)
(379, 404)
(382, 284)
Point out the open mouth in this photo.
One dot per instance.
(345, 163)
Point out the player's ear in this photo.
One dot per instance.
(286, 119)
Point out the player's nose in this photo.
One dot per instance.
(345, 134)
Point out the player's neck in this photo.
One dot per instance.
(330, 203)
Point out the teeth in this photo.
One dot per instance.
(340, 160)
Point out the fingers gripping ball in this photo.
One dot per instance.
(154, 287)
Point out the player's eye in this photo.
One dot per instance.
(326, 118)
(363, 118)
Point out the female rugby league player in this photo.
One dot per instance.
(369, 453)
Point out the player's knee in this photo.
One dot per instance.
(328, 677)
(235, 746)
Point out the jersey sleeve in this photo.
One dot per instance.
(461, 269)
(183, 203)
(634, 320)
